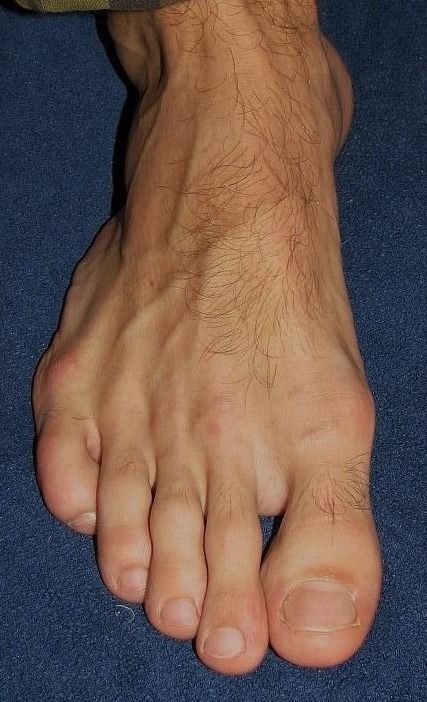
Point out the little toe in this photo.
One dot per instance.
(177, 580)
(233, 633)
(123, 539)
(67, 471)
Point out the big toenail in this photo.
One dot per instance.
(224, 642)
(133, 580)
(319, 605)
(179, 612)
(84, 521)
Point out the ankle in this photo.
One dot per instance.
(138, 46)
(190, 36)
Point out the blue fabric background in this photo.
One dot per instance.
(62, 635)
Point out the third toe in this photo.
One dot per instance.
(177, 581)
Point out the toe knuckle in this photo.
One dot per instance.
(56, 372)
(175, 496)
(358, 405)
(216, 416)
(127, 466)
(338, 412)
(226, 505)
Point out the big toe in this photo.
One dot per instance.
(177, 580)
(322, 576)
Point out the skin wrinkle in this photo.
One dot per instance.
(176, 490)
(228, 504)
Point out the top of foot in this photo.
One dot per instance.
(206, 370)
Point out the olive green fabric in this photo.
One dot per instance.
(86, 5)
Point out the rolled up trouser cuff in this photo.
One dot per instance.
(88, 5)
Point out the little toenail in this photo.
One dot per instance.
(179, 612)
(87, 520)
(224, 642)
(319, 605)
(133, 580)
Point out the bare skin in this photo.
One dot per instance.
(206, 369)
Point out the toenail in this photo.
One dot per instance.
(319, 605)
(83, 521)
(224, 642)
(133, 580)
(179, 612)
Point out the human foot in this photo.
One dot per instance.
(205, 370)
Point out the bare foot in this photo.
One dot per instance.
(206, 370)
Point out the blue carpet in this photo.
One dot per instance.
(62, 635)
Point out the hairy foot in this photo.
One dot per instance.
(206, 370)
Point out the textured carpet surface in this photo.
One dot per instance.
(62, 635)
